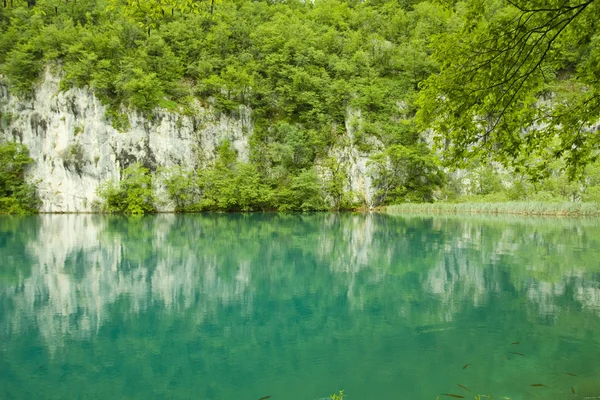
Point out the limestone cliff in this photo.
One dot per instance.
(75, 147)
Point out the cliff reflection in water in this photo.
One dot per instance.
(297, 306)
(74, 268)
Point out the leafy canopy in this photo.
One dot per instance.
(519, 83)
(310, 72)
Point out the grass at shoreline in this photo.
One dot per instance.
(567, 209)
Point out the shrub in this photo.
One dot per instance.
(131, 195)
(16, 196)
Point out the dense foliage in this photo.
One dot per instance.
(231, 185)
(503, 81)
(519, 83)
(305, 70)
(130, 195)
(16, 196)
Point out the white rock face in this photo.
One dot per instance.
(75, 148)
(361, 182)
(353, 160)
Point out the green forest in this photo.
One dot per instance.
(439, 85)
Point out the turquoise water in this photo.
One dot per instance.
(298, 307)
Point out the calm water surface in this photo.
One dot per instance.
(223, 307)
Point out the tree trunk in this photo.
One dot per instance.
(212, 6)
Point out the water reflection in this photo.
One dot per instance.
(298, 295)
(75, 266)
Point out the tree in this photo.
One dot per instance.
(131, 195)
(149, 13)
(405, 174)
(16, 196)
(143, 90)
(519, 83)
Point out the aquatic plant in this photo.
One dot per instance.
(509, 207)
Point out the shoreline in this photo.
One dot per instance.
(542, 209)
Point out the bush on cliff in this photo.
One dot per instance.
(131, 195)
(16, 196)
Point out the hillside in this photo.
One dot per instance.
(175, 105)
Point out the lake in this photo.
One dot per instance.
(297, 307)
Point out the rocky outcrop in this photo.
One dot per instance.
(75, 147)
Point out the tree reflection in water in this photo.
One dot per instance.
(314, 302)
